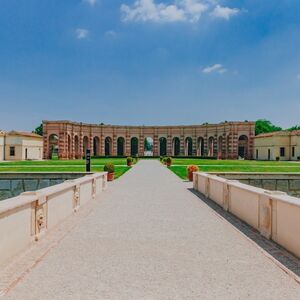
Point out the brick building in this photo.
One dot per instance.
(228, 140)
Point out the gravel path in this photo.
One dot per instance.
(151, 238)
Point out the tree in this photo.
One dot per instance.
(148, 145)
(265, 126)
(39, 130)
(296, 127)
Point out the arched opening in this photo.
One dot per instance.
(134, 146)
(120, 146)
(96, 144)
(108, 144)
(220, 147)
(148, 146)
(162, 146)
(69, 147)
(53, 146)
(243, 146)
(211, 146)
(76, 144)
(200, 146)
(188, 146)
(85, 143)
(176, 146)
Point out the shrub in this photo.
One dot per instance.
(109, 167)
(129, 159)
(192, 168)
(168, 160)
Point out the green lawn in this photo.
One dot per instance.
(64, 166)
(205, 165)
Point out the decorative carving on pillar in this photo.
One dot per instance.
(76, 198)
(94, 188)
(40, 217)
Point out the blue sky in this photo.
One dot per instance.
(149, 62)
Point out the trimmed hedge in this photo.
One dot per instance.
(151, 157)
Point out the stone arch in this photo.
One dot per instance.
(211, 146)
(69, 147)
(188, 146)
(162, 146)
(120, 146)
(77, 147)
(108, 146)
(243, 146)
(148, 146)
(134, 146)
(53, 146)
(176, 146)
(86, 144)
(200, 146)
(96, 146)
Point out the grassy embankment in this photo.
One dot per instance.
(206, 165)
(64, 166)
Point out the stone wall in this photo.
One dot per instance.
(13, 184)
(289, 183)
(28, 217)
(274, 214)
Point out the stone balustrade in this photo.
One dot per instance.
(26, 218)
(274, 214)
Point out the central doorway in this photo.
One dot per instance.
(148, 146)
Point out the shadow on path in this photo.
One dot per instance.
(287, 259)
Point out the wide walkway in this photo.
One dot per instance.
(151, 238)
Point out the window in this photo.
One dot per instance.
(293, 151)
(256, 153)
(269, 154)
(282, 151)
(12, 151)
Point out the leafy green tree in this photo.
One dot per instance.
(296, 127)
(39, 130)
(265, 126)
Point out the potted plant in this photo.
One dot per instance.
(129, 161)
(110, 169)
(164, 160)
(190, 170)
(168, 161)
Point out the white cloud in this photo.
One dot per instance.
(217, 68)
(178, 11)
(81, 33)
(111, 33)
(90, 2)
(224, 12)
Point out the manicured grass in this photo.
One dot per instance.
(179, 166)
(64, 166)
(56, 162)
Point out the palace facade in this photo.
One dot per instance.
(69, 140)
